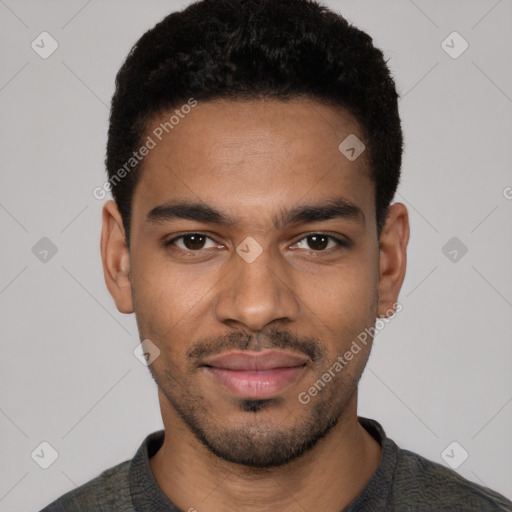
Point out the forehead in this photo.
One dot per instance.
(248, 154)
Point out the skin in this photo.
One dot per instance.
(253, 159)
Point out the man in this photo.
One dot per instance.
(254, 150)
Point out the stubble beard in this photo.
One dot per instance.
(258, 442)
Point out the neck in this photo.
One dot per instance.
(326, 478)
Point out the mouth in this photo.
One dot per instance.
(255, 375)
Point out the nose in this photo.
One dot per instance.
(257, 293)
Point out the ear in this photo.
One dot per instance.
(392, 257)
(116, 258)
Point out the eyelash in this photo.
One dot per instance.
(341, 244)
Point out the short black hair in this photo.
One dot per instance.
(255, 49)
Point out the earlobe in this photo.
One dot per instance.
(116, 258)
(392, 257)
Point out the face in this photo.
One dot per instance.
(254, 265)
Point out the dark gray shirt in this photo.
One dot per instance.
(403, 482)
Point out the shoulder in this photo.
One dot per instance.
(433, 486)
(109, 491)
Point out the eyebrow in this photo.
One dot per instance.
(336, 208)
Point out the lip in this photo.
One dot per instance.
(256, 375)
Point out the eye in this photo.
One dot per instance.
(191, 242)
(319, 242)
(195, 242)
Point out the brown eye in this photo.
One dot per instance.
(191, 242)
(319, 242)
(194, 242)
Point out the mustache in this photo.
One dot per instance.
(271, 339)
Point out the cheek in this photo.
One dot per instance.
(344, 305)
(361, 285)
(165, 282)
(169, 304)
(173, 295)
(346, 292)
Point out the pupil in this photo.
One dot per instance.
(316, 238)
(196, 241)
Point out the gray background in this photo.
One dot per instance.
(439, 372)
